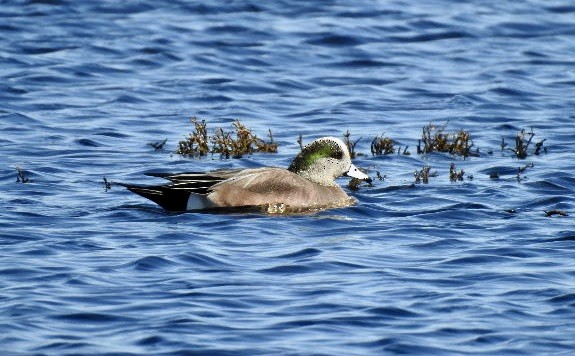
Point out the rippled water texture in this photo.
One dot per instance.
(466, 267)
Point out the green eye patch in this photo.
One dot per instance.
(314, 152)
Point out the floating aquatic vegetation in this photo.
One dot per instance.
(107, 185)
(521, 170)
(350, 145)
(423, 175)
(550, 213)
(538, 147)
(158, 145)
(354, 184)
(454, 175)
(224, 143)
(300, 142)
(382, 146)
(21, 177)
(268, 147)
(436, 139)
(196, 144)
(244, 143)
(522, 141)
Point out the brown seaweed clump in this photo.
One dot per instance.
(522, 141)
(353, 184)
(382, 146)
(196, 144)
(228, 144)
(244, 143)
(454, 175)
(423, 175)
(436, 139)
(350, 145)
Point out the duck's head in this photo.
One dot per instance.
(325, 159)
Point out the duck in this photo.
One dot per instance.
(308, 184)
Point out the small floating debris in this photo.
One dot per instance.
(158, 145)
(21, 177)
(522, 169)
(107, 185)
(555, 212)
(522, 141)
(423, 175)
(538, 147)
(405, 151)
(454, 175)
(300, 142)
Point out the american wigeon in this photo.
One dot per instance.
(307, 185)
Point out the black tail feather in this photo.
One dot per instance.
(169, 199)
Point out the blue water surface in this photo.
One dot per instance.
(466, 267)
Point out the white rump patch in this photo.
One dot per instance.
(196, 202)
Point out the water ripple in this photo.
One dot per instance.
(445, 267)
